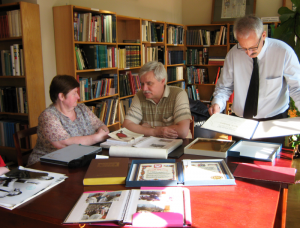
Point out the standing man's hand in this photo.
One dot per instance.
(215, 108)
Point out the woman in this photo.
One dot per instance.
(64, 122)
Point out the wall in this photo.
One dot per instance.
(199, 11)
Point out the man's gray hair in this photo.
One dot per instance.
(244, 25)
(157, 68)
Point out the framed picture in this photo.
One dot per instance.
(224, 11)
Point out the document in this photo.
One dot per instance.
(251, 129)
(157, 171)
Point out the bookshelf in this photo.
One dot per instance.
(30, 78)
(131, 47)
(99, 80)
(206, 50)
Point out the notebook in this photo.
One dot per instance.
(70, 153)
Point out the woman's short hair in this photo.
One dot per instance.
(157, 68)
(62, 84)
(244, 25)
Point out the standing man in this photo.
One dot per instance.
(263, 72)
(158, 109)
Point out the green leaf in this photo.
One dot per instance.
(296, 2)
(285, 10)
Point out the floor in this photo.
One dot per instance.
(293, 205)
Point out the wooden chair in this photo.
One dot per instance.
(20, 135)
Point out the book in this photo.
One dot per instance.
(149, 206)
(67, 155)
(125, 135)
(266, 173)
(106, 171)
(252, 129)
(148, 147)
(209, 147)
(266, 151)
(168, 172)
(15, 191)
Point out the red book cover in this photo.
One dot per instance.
(218, 75)
(231, 97)
(266, 173)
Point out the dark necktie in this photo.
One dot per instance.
(250, 109)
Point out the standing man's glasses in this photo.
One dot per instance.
(249, 49)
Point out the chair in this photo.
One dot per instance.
(20, 135)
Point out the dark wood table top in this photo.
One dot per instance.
(249, 203)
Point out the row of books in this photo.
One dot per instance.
(7, 129)
(231, 36)
(193, 92)
(175, 34)
(178, 84)
(152, 32)
(197, 75)
(95, 56)
(175, 57)
(197, 56)
(12, 61)
(156, 53)
(124, 107)
(10, 24)
(13, 99)
(207, 37)
(94, 28)
(175, 73)
(216, 60)
(129, 83)
(269, 28)
(91, 89)
(106, 110)
(129, 56)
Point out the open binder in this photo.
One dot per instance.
(185, 173)
(147, 207)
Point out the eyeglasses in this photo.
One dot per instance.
(249, 49)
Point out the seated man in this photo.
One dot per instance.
(158, 109)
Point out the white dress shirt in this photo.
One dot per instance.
(279, 78)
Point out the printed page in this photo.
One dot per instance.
(99, 206)
(156, 171)
(147, 201)
(197, 170)
(275, 128)
(24, 189)
(120, 151)
(231, 125)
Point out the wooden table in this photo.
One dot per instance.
(249, 203)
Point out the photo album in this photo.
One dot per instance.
(158, 207)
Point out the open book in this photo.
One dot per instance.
(124, 135)
(157, 207)
(251, 129)
(25, 185)
(147, 147)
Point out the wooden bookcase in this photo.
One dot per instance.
(32, 78)
(206, 90)
(127, 28)
(65, 43)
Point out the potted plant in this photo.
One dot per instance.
(289, 32)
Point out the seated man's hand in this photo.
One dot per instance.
(215, 108)
(166, 132)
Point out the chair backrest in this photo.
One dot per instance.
(20, 135)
